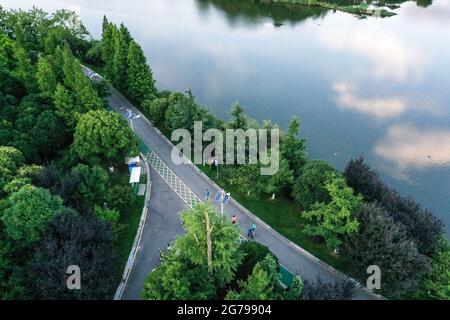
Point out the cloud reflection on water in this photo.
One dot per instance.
(411, 147)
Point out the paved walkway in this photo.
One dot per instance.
(188, 184)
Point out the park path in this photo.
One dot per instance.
(188, 184)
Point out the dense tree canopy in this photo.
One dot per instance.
(382, 242)
(72, 239)
(28, 212)
(421, 225)
(103, 135)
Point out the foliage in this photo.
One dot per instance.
(108, 215)
(92, 185)
(10, 161)
(309, 187)
(102, 135)
(74, 239)
(294, 149)
(261, 284)
(119, 197)
(224, 236)
(141, 85)
(420, 224)
(178, 279)
(381, 241)
(335, 218)
(28, 212)
(252, 253)
(437, 284)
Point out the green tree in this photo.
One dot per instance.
(120, 45)
(65, 106)
(156, 109)
(238, 118)
(178, 279)
(294, 149)
(109, 215)
(210, 242)
(10, 161)
(120, 197)
(310, 186)
(104, 135)
(334, 219)
(107, 47)
(437, 284)
(45, 76)
(92, 184)
(28, 212)
(141, 85)
(24, 70)
(280, 181)
(183, 111)
(49, 133)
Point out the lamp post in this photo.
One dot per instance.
(132, 116)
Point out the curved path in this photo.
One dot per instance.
(167, 200)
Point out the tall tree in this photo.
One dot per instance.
(120, 45)
(210, 242)
(238, 118)
(65, 106)
(141, 85)
(293, 149)
(45, 76)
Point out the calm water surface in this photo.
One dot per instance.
(380, 87)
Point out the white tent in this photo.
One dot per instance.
(132, 160)
(135, 174)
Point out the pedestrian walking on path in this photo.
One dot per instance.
(233, 219)
(254, 230)
(250, 234)
(207, 194)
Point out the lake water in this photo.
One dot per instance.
(380, 87)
